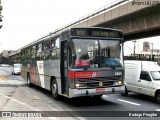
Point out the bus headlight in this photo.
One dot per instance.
(80, 85)
(118, 82)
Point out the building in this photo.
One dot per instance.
(4, 58)
(147, 53)
(15, 56)
(5, 53)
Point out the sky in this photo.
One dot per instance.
(25, 21)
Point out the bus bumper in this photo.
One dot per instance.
(95, 91)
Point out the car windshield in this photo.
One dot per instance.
(17, 65)
(91, 53)
(155, 75)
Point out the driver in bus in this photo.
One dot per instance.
(84, 56)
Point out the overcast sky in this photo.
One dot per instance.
(25, 21)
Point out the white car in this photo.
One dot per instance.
(142, 77)
(16, 69)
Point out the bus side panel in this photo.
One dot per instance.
(54, 71)
(41, 74)
(41, 68)
(47, 77)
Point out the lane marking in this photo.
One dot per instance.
(24, 90)
(128, 102)
(105, 96)
(28, 92)
(37, 98)
(3, 78)
(52, 108)
(24, 104)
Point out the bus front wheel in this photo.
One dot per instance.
(54, 89)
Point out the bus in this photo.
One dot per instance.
(85, 61)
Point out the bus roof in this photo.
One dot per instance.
(54, 35)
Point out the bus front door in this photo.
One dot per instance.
(64, 81)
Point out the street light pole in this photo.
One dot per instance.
(152, 50)
(134, 48)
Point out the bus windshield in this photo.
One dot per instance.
(92, 53)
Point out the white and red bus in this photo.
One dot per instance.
(78, 62)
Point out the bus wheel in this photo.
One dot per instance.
(125, 92)
(157, 97)
(29, 80)
(54, 89)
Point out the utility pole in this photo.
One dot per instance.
(134, 48)
(152, 51)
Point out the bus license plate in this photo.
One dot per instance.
(100, 89)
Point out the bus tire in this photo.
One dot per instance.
(125, 92)
(157, 97)
(54, 89)
(29, 80)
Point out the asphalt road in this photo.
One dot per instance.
(15, 95)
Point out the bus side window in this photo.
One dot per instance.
(46, 45)
(53, 54)
(57, 44)
(33, 52)
(52, 43)
(38, 56)
(27, 53)
(39, 52)
(45, 55)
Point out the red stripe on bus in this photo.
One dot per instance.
(82, 74)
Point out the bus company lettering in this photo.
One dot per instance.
(82, 74)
